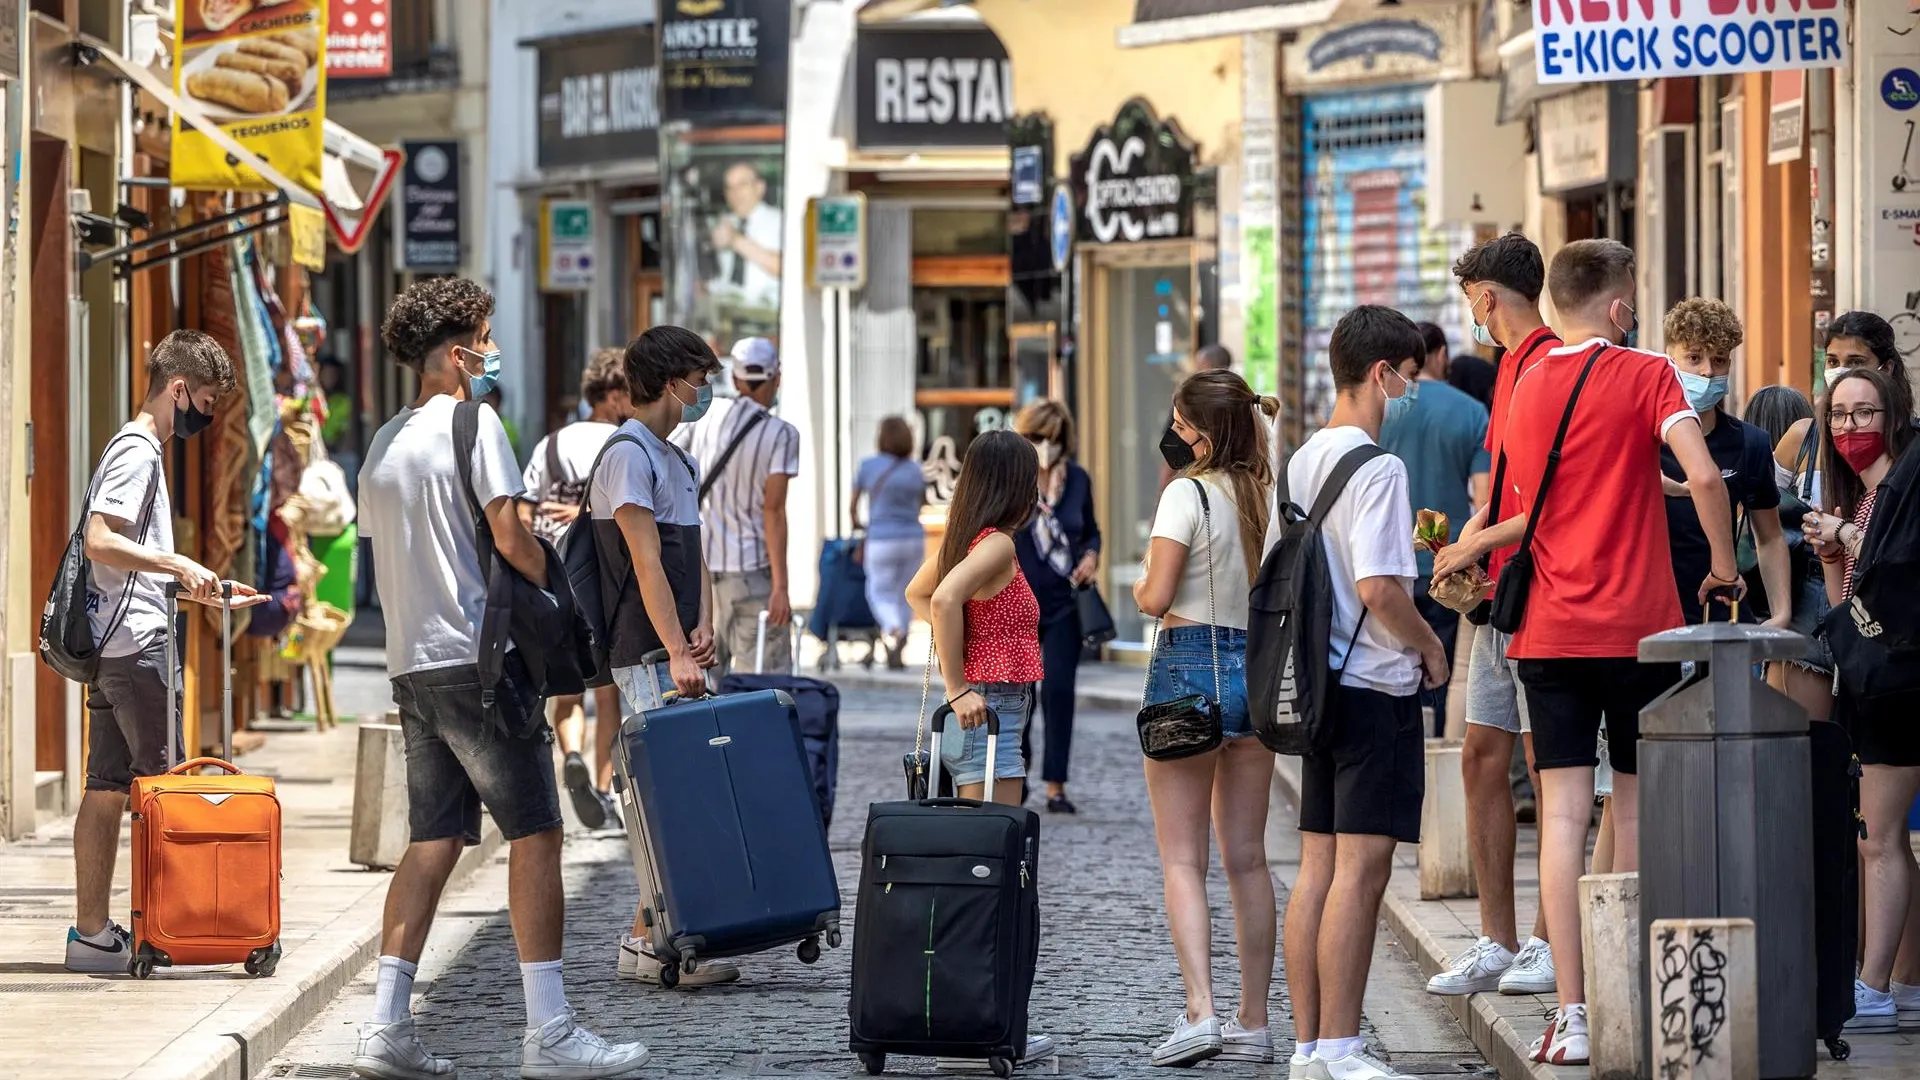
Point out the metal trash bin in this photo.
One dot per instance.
(1726, 819)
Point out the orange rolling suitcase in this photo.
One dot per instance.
(206, 849)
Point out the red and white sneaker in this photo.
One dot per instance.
(1565, 1041)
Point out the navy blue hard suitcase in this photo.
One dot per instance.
(725, 830)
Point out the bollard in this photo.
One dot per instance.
(1610, 940)
(379, 834)
(1704, 985)
(1726, 821)
(1446, 861)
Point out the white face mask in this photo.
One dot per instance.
(1049, 452)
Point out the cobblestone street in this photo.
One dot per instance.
(1107, 986)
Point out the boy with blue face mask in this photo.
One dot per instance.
(1701, 336)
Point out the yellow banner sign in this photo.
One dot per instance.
(258, 69)
(308, 229)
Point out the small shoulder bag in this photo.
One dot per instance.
(1188, 725)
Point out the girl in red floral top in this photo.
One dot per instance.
(986, 623)
(1869, 431)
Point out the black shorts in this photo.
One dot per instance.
(127, 732)
(1886, 732)
(1568, 698)
(1372, 775)
(459, 760)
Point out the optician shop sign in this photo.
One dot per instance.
(1134, 180)
(1578, 41)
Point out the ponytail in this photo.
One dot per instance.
(1268, 405)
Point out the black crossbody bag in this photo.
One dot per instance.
(1516, 578)
(1188, 725)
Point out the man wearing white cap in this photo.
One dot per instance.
(747, 455)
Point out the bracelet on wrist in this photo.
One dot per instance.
(961, 694)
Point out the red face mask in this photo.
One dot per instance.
(1860, 448)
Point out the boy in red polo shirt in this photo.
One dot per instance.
(1602, 578)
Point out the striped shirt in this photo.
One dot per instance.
(733, 516)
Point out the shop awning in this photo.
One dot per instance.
(194, 118)
(1160, 22)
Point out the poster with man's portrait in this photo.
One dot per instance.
(724, 237)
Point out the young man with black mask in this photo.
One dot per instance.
(129, 541)
(461, 754)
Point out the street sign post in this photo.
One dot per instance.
(837, 242)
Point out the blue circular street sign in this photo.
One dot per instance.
(1900, 89)
(1061, 221)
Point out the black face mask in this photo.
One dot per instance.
(1179, 455)
(189, 421)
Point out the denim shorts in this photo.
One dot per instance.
(458, 761)
(963, 751)
(127, 736)
(1183, 665)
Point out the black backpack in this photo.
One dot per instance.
(545, 625)
(1290, 623)
(580, 554)
(66, 631)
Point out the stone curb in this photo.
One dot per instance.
(236, 1040)
(1488, 1019)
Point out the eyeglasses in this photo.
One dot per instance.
(1858, 418)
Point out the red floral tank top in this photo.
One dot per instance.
(1003, 631)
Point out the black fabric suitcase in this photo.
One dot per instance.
(725, 831)
(1836, 880)
(816, 703)
(947, 931)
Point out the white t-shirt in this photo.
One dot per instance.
(1180, 520)
(755, 285)
(120, 493)
(578, 444)
(1368, 533)
(425, 564)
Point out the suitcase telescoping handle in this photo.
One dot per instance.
(649, 665)
(938, 725)
(173, 679)
(760, 645)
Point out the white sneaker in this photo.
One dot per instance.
(1299, 1065)
(1474, 971)
(1039, 1048)
(1358, 1065)
(90, 957)
(561, 1049)
(1244, 1044)
(1531, 971)
(1566, 1041)
(1191, 1042)
(1906, 1001)
(393, 1052)
(1873, 1011)
(637, 963)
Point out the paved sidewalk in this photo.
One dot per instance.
(193, 1023)
(1434, 931)
(1107, 988)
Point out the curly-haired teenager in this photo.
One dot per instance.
(415, 510)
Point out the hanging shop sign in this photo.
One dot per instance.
(259, 72)
(1584, 41)
(724, 59)
(1573, 136)
(566, 245)
(837, 242)
(1786, 116)
(946, 87)
(1134, 179)
(429, 221)
(1422, 45)
(599, 98)
(359, 39)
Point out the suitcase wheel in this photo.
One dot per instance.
(142, 967)
(145, 959)
(1838, 1047)
(875, 1063)
(262, 962)
(1002, 1067)
(689, 963)
(669, 975)
(809, 950)
(833, 939)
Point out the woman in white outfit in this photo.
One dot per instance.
(894, 491)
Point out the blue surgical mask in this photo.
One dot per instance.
(479, 386)
(1398, 407)
(1630, 333)
(1481, 334)
(702, 401)
(1703, 393)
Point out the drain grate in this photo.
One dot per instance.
(52, 987)
(310, 1072)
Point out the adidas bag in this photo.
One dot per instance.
(1290, 623)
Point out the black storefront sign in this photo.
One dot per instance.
(724, 60)
(949, 87)
(1134, 180)
(599, 98)
(430, 206)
